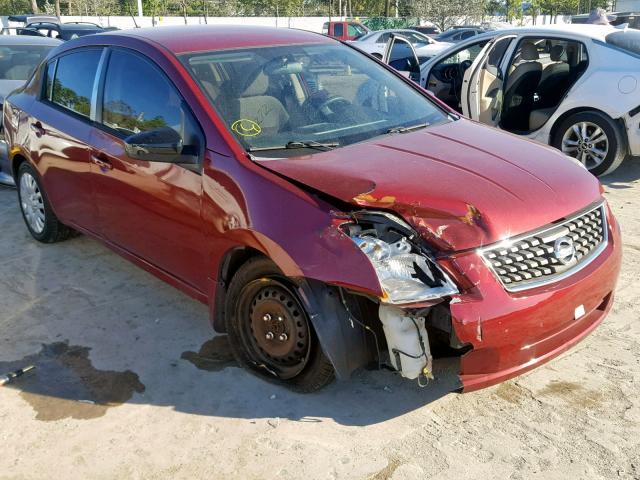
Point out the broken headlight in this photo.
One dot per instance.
(405, 270)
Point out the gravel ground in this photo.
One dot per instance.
(131, 384)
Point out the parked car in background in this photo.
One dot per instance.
(574, 87)
(430, 31)
(630, 19)
(330, 212)
(344, 29)
(374, 43)
(25, 19)
(63, 31)
(19, 57)
(458, 34)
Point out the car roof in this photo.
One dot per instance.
(587, 31)
(28, 40)
(197, 38)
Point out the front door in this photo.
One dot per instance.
(483, 83)
(401, 55)
(149, 208)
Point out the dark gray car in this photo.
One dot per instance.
(19, 56)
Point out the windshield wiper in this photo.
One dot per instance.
(296, 144)
(408, 129)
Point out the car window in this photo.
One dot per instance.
(71, 90)
(132, 106)
(628, 40)
(384, 38)
(467, 34)
(322, 92)
(17, 62)
(352, 31)
(470, 53)
(496, 54)
(338, 30)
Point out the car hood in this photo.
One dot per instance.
(8, 86)
(461, 185)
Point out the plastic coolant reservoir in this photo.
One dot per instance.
(402, 336)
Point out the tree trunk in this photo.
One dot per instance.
(34, 6)
(387, 8)
(57, 3)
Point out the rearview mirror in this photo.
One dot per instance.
(158, 145)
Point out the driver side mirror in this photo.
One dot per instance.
(158, 145)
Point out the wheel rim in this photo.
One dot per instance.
(32, 203)
(274, 328)
(586, 142)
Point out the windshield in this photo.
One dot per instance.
(628, 39)
(17, 62)
(272, 96)
(415, 37)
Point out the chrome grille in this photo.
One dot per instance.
(543, 256)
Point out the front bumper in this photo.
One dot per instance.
(5, 173)
(511, 333)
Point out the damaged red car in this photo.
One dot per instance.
(330, 212)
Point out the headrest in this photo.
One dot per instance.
(257, 87)
(529, 52)
(557, 51)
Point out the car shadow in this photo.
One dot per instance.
(102, 332)
(624, 175)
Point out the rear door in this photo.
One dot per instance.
(149, 208)
(61, 128)
(482, 90)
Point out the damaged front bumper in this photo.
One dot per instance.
(511, 333)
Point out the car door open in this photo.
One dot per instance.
(483, 85)
(401, 55)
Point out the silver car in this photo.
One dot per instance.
(19, 57)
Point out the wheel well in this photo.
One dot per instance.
(229, 265)
(568, 113)
(15, 165)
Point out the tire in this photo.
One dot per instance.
(36, 210)
(259, 300)
(579, 146)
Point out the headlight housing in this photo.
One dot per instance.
(406, 271)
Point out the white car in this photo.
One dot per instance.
(374, 43)
(575, 87)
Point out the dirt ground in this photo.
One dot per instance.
(131, 384)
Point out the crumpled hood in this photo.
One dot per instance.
(461, 184)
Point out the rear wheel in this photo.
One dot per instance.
(42, 223)
(593, 139)
(270, 332)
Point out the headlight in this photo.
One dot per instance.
(405, 271)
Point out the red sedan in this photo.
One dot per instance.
(330, 212)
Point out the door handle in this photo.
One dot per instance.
(102, 161)
(38, 128)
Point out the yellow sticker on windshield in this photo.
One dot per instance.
(246, 128)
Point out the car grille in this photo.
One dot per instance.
(544, 256)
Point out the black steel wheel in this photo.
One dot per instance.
(269, 329)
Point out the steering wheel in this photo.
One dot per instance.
(334, 105)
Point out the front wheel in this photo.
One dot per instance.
(593, 139)
(270, 332)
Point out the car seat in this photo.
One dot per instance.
(521, 86)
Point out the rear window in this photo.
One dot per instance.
(628, 40)
(17, 62)
(73, 81)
